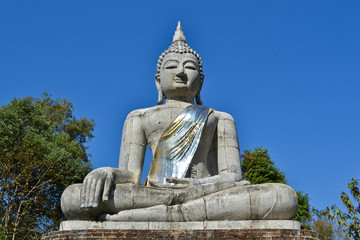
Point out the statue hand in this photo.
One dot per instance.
(97, 185)
(179, 183)
(243, 183)
(182, 182)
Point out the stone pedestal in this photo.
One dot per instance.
(270, 229)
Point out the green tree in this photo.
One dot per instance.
(2, 236)
(42, 150)
(349, 220)
(327, 228)
(257, 167)
(324, 228)
(303, 213)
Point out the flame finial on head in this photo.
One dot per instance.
(179, 34)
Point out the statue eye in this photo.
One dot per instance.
(171, 67)
(190, 67)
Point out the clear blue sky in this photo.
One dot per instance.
(288, 72)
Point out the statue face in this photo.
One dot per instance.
(180, 76)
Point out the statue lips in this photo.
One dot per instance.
(181, 80)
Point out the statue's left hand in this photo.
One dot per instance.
(179, 183)
(182, 182)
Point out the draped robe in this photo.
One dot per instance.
(178, 144)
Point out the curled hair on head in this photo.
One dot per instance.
(179, 45)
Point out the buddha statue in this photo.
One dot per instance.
(195, 174)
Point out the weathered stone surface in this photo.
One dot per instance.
(241, 234)
(209, 225)
(259, 202)
(208, 185)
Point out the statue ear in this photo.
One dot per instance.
(198, 99)
(160, 93)
(197, 96)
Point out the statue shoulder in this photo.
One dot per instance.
(139, 113)
(222, 115)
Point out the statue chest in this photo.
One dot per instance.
(156, 122)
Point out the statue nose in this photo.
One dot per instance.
(180, 71)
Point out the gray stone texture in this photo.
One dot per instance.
(177, 234)
(212, 188)
(205, 225)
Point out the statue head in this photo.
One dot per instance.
(179, 71)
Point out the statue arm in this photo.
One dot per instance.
(228, 148)
(97, 184)
(132, 151)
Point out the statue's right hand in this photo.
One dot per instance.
(96, 186)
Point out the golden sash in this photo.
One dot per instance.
(178, 144)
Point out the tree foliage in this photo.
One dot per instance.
(42, 150)
(303, 213)
(327, 228)
(257, 167)
(350, 219)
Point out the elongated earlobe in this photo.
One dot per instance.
(197, 96)
(160, 97)
(160, 93)
(198, 99)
